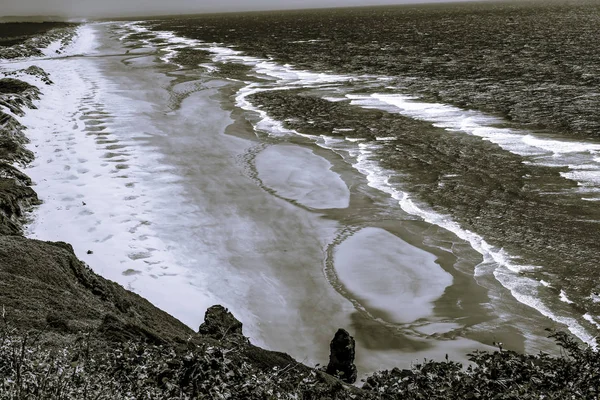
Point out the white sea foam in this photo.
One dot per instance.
(309, 41)
(170, 52)
(507, 272)
(209, 67)
(265, 123)
(450, 118)
(558, 152)
(283, 76)
(563, 297)
(343, 129)
(53, 49)
(592, 319)
(588, 179)
(525, 290)
(84, 42)
(573, 154)
(334, 99)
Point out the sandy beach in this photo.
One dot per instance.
(161, 187)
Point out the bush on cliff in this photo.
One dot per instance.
(499, 375)
(88, 368)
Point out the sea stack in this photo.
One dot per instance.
(341, 357)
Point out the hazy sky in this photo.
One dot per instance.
(144, 7)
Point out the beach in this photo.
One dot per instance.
(161, 183)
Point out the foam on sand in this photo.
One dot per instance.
(83, 42)
(388, 276)
(298, 174)
(504, 268)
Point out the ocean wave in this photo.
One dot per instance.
(573, 154)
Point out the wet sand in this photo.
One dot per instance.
(392, 279)
(297, 174)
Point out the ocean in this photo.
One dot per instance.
(426, 176)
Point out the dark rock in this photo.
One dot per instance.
(266, 360)
(31, 46)
(12, 141)
(11, 127)
(13, 152)
(14, 86)
(17, 95)
(219, 323)
(63, 245)
(14, 200)
(9, 172)
(34, 70)
(90, 252)
(341, 358)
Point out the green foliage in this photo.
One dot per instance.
(87, 368)
(135, 370)
(499, 375)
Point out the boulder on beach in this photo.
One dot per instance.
(341, 358)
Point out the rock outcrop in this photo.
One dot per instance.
(32, 47)
(15, 95)
(14, 198)
(43, 286)
(341, 358)
(15, 194)
(219, 323)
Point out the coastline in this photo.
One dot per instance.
(271, 277)
(162, 185)
(533, 285)
(75, 328)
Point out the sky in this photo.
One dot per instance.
(100, 8)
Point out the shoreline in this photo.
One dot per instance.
(371, 333)
(374, 338)
(509, 272)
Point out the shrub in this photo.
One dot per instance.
(499, 375)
